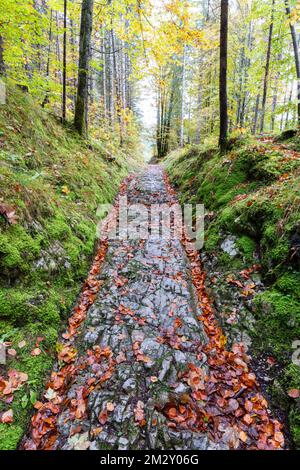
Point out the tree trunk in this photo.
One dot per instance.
(64, 94)
(46, 99)
(2, 63)
(256, 114)
(274, 101)
(81, 109)
(223, 76)
(73, 50)
(104, 77)
(284, 104)
(199, 107)
(182, 99)
(288, 111)
(267, 70)
(117, 85)
(296, 55)
(58, 57)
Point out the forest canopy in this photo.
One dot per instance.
(174, 44)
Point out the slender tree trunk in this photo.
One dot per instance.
(296, 55)
(284, 104)
(58, 57)
(46, 99)
(73, 49)
(111, 83)
(2, 63)
(267, 70)
(288, 111)
(223, 76)
(199, 107)
(104, 77)
(49, 45)
(274, 101)
(64, 94)
(189, 121)
(182, 98)
(256, 111)
(117, 85)
(81, 109)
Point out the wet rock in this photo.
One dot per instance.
(123, 443)
(229, 246)
(129, 385)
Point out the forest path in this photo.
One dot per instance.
(149, 369)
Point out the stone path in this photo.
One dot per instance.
(127, 386)
(146, 288)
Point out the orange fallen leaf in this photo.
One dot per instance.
(7, 417)
(294, 393)
(243, 436)
(103, 416)
(12, 352)
(36, 352)
(110, 406)
(172, 413)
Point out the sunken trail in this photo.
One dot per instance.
(144, 363)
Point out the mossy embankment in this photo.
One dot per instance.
(252, 196)
(54, 181)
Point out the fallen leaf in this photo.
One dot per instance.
(7, 417)
(36, 352)
(103, 416)
(12, 352)
(110, 406)
(294, 393)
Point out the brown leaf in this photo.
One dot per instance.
(121, 357)
(294, 393)
(139, 411)
(103, 416)
(12, 352)
(8, 213)
(7, 417)
(110, 406)
(172, 413)
(36, 352)
(243, 436)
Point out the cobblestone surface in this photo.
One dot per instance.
(146, 288)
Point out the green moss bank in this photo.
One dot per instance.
(54, 181)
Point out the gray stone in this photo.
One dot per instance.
(229, 246)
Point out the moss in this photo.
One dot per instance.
(22, 306)
(212, 239)
(294, 421)
(278, 321)
(10, 435)
(247, 246)
(289, 284)
(17, 249)
(58, 228)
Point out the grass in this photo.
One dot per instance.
(54, 181)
